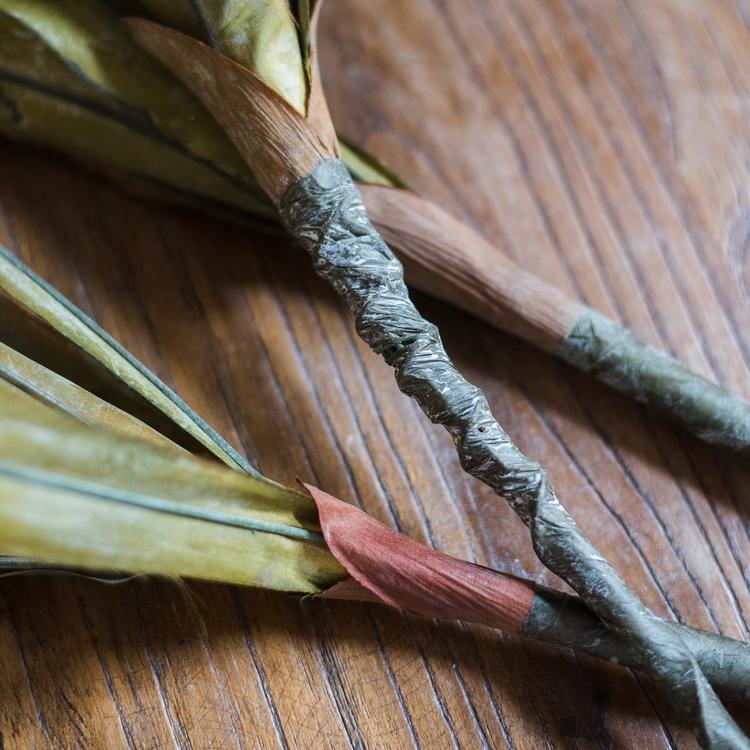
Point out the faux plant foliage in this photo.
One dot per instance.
(323, 202)
(65, 396)
(39, 322)
(86, 484)
(75, 495)
(180, 517)
(260, 35)
(72, 79)
(82, 486)
(323, 210)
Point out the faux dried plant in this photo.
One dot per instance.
(72, 78)
(262, 144)
(85, 484)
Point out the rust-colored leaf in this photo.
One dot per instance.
(408, 575)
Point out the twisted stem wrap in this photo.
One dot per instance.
(597, 345)
(325, 212)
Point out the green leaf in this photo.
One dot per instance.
(69, 398)
(81, 53)
(89, 476)
(76, 495)
(36, 320)
(155, 166)
(366, 168)
(303, 15)
(182, 15)
(262, 36)
(72, 79)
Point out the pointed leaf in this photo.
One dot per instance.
(274, 138)
(366, 168)
(261, 36)
(39, 322)
(93, 113)
(62, 394)
(90, 41)
(182, 15)
(75, 495)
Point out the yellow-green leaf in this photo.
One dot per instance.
(91, 42)
(182, 15)
(75, 495)
(99, 137)
(262, 36)
(39, 322)
(62, 394)
(366, 168)
(105, 103)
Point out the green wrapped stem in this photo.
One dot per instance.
(565, 620)
(597, 345)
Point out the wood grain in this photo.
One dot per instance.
(604, 145)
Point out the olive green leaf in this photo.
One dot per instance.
(76, 495)
(37, 321)
(72, 79)
(93, 44)
(69, 398)
(261, 35)
(366, 168)
(182, 15)
(86, 485)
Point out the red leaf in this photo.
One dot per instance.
(391, 568)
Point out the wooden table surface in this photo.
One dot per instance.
(604, 145)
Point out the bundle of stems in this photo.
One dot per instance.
(72, 78)
(86, 485)
(294, 156)
(274, 116)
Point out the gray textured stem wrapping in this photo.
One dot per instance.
(325, 212)
(597, 345)
(566, 621)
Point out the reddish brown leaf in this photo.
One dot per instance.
(391, 568)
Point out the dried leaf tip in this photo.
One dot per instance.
(277, 142)
(403, 573)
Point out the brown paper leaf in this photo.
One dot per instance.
(317, 105)
(453, 262)
(408, 575)
(273, 138)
